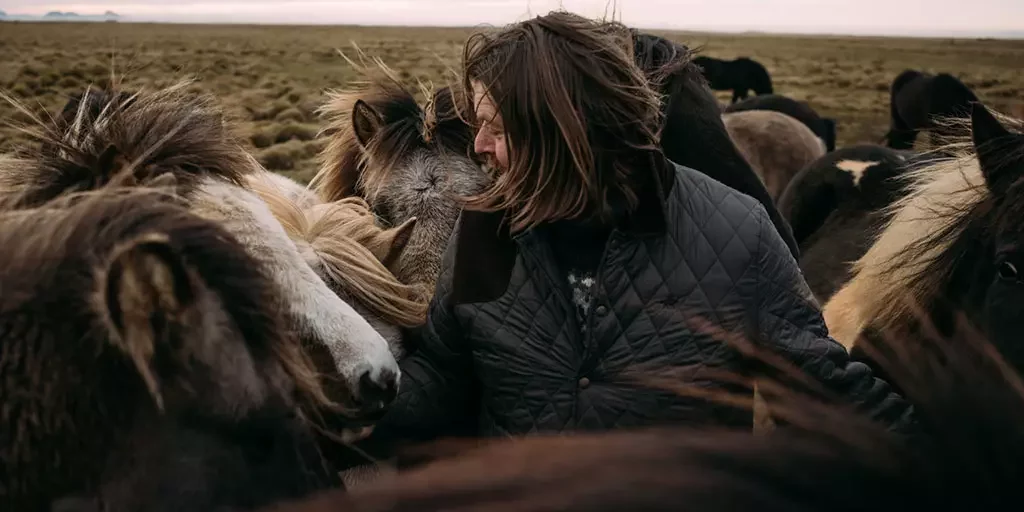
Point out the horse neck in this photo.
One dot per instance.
(420, 261)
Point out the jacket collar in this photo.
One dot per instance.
(485, 251)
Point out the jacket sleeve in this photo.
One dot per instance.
(435, 393)
(790, 323)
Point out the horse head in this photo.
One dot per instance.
(407, 160)
(173, 134)
(146, 364)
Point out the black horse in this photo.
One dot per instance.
(739, 76)
(835, 207)
(916, 99)
(823, 127)
(694, 134)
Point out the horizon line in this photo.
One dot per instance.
(1010, 35)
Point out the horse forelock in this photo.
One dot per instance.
(128, 137)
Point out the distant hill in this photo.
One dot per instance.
(61, 16)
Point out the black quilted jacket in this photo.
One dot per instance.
(501, 352)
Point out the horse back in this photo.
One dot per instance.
(799, 110)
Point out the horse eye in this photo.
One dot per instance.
(1007, 271)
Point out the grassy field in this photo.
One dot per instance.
(272, 78)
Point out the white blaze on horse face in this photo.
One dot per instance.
(354, 344)
(855, 168)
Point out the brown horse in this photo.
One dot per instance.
(836, 206)
(145, 362)
(172, 134)
(776, 145)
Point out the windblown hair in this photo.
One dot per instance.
(68, 390)
(161, 142)
(969, 404)
(350, 168)
(351, 250)
(136, 137)
(580, 119)
(927, 231)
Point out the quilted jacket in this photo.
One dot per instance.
(501, 352)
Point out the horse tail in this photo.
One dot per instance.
(125, 139)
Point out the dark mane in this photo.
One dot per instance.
(147, 133)
(347, 168)
(970, 405)
(59, 372)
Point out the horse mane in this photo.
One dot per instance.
(347, 167)
(135, 137)
(85, 225)
(969, 406)
(349, 247)
(916, 250)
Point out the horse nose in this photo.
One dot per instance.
(376, 390)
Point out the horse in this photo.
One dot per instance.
(835, 207)
(968, 401)
(776, 145)
(405, 159)
(171, 133)
(146, 363)
(355, 256)
(823, 127)
(951, 243)
(739, 75)
(917, 99)
(693, 133)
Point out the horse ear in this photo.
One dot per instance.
(400, 237)
(366, 121)
(1000, 151)
(146, 290)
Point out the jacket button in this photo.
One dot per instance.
(601, 310)
(584, 383)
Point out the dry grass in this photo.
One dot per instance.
(273, 78)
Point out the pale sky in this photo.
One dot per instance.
(911, 17)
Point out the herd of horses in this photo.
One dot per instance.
(184, 330)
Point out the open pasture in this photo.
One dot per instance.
(272, 78)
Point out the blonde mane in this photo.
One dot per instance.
(350, 249)
(894, 277)
(408, 125)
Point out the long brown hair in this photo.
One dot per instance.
(580, 118)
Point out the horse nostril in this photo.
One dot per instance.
(377, 393)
